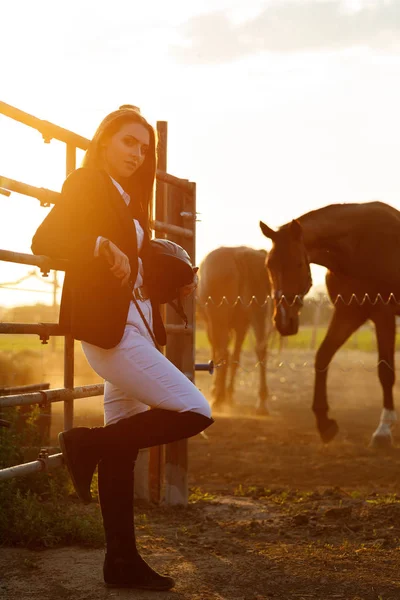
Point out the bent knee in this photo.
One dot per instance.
(202, 407)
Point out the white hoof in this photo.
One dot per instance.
(382, 437)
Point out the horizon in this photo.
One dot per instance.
(269, 121)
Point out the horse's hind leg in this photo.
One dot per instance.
(345, 321)
(220, 342)
(240, 334)
(385, 326)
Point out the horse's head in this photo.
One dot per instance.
(289, 271)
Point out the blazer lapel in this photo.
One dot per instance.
(122, 212)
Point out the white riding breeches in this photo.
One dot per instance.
(138, 377)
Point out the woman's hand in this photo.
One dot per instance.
(120, 266)
(186, 290)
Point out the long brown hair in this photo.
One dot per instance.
(141, 184)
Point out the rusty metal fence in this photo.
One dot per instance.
(163, 470)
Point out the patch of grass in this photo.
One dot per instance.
(46, 518)
(16, 368)
(278, 495)
(363, 340)
(38, 510)
(240, 491)
(384, 499)
(17, 342)
(196, 494)
(356, 495)
(251, 491)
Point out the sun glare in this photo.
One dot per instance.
(266, 132)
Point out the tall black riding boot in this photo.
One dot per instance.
(123, 565)
(82, 447)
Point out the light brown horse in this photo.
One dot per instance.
(359, 244)
(233, 295)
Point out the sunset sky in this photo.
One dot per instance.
(274, 108)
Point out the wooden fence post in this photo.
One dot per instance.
(156, 454)
(181, 210)
(69, 349)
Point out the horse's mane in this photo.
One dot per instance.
(361, 240)
(347, 219)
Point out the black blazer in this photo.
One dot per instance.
(94, 305)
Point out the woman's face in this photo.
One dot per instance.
(125, 151)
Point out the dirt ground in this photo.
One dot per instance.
(274, 514)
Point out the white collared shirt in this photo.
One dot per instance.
(139, 235)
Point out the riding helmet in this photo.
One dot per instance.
(167, 268)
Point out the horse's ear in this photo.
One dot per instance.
(267, 231)
(296, 229)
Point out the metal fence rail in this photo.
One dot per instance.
(53, 395)
(48, 197)
(45, 462)
(46, 330)
(48, 130)
(23, 389)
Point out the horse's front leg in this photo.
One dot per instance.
(385, 327)
(345, 321)
(261, 350)
(261, 333)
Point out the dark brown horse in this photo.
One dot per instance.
(233, 295)
(359, 244)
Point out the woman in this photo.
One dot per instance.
(101, 225)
